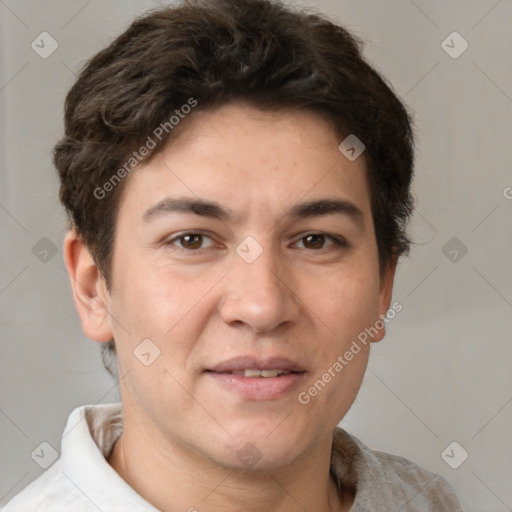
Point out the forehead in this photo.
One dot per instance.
(248, 159)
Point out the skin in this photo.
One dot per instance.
(303, 298)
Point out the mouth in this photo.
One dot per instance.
(258, 379)
(254, 373)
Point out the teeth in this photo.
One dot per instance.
(252, 373)
(270, 373)
(261, 373)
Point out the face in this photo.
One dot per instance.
(246, 245)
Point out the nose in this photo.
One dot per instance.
(260, 294)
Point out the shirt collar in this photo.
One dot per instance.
(92, 431)
(87, 441)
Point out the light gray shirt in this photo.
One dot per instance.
(82, 480)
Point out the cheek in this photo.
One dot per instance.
(147, 300)
(165, 306)
(347, 302)
(345, 310)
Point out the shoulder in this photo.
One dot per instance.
(387, 482)
(404, 481)
(81, 478)
(50, 492)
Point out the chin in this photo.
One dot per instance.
(260, 449)
(249, 458)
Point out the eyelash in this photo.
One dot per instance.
(340, 242)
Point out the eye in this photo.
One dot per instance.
(191, 241)
(319, 241)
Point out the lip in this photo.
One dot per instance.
(257, 388)
(250, 362)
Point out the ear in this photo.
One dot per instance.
(386, 293)
(90, 293)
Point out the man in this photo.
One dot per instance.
(237, 183)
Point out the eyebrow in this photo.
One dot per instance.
(327, 206)
(197, 206)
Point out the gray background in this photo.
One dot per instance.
(443, 372)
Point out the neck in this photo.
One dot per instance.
(174, 478)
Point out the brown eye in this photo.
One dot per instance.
(320, 242)
(191, 241)
(314, 241)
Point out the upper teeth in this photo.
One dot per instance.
(260, 373)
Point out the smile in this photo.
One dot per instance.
(259, 373)
(252, 378)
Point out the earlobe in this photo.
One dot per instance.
(386, 293)
(89, 289)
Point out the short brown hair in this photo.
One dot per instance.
(218, 51)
